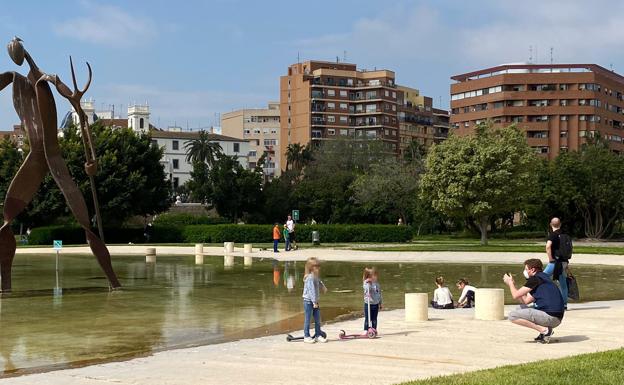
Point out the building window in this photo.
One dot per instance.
(331, 119)
(331, 106)
(371, 108)
(176, 164)
(331, 132)
(344, 106)
(236, 147)
(563, 87)
(331, 93)
(343, 93)
(154, 142)
(253, 153)
(563, 134)
(175, 145)
(563, 117)
(317, 134)
(387, 93)
(344, 132)
(343, 119)
(141, 123)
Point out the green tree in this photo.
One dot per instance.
(389, 188)
(586, 187)
(297, 156)
(130, 179)
(10, 161)
(481, 175)
(414, 152)
(202, 149)
(236, 192)
(200, 185)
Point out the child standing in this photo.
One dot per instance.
(286, 238)
(467, 293)
(276, 238)
(311, 293)
(372, 295)
(442, 297)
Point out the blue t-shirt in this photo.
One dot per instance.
(547, 295)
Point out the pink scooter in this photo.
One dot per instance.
(370, 333)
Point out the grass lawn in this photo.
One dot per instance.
(605, 368)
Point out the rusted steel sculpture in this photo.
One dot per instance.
(34, 103)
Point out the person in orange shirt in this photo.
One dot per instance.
(276, 237)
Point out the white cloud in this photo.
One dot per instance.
(107, 25)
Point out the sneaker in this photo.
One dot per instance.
(364, 333)
(544, 338)
(309, 340)
(321, 339)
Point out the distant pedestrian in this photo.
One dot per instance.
(286, 238)
(147, 232)
(559, 252)
(442, 297)
(467, 297)
(400, 223)
(291, 233)
(276, 238)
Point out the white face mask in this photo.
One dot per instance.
(526, 274)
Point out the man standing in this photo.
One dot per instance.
(559, 251)
(290, 224)
(540, 290)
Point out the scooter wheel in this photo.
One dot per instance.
(289, 338)
(372, 333)
(342, 334)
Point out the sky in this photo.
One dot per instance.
(191, 59)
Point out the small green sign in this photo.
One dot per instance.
(58, 245)
(295, 215)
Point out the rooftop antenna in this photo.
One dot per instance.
(298, 61)
(337, 59)
(551, 54)
(611, 67)
(344, 56)
(530, 54)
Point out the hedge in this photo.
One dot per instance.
(226, 233)
(184, 219)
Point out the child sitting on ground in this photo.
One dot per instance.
(372, 294)
(467, 297)
(312, 287)
(442, 297)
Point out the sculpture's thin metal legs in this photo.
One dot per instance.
(20, 193)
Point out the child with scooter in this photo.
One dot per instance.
(372, 304)
(312, 287)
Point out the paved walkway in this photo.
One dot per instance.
(451, 342)
(330, 254)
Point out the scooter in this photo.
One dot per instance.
(370, 333)
(291, 338)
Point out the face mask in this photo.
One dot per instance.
(526, 274)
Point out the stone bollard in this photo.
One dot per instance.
(150, 255)
(490, 304)
(247, 248)
(228, 247)
(416, 307)
(228, 261)
(248, 261)
(199, 253)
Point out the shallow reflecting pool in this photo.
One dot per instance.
(174, 303)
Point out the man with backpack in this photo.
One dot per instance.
(559, 251)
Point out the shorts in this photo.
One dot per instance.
(536, 316)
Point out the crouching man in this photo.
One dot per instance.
(539, 290)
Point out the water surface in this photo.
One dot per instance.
(175, 303)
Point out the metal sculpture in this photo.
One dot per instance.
(34, 103)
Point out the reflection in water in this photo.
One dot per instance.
(176, 303)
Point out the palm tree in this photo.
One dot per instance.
(202, 149)
(297, 156)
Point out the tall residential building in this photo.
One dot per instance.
(415, 118)
(558, 105)
(261, 127)
(17, 136)
(324, 100)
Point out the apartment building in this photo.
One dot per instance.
(173, 142)
(558, 105)
(17, 136)
(415, 118)
(261, 128)
(325, 100)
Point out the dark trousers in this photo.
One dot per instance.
(275, 243)
(374, 310)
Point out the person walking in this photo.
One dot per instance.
(286, 238)
(559, 252)
(276, 238)
(540, 290)
(291, 233)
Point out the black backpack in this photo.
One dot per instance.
(565, 247)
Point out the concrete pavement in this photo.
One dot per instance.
(451, 342)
